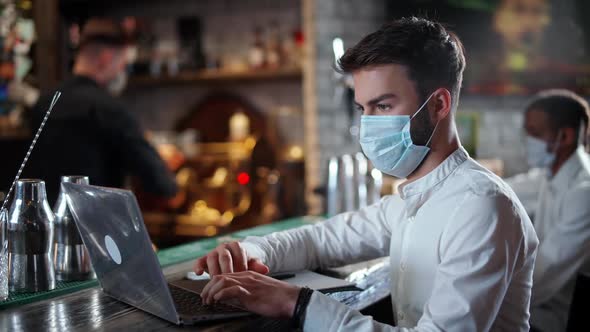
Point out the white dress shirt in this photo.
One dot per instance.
(562, 222)
(461, 246)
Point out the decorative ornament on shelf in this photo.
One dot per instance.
(17, 35)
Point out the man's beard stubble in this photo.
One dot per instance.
(421, 128)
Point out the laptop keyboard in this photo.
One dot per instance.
(190, 303)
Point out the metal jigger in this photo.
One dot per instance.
(30, 237)
(71, 258)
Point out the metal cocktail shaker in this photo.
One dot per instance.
(30, 237)
(3, 255)
(352, 184)
(70, 256)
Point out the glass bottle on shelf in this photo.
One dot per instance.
(256, 51)
(273, 46)
(297, 56)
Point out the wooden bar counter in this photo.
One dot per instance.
(84, 307)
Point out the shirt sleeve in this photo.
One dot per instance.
(480, 252)
(135, 153)
(489, 243)
(565, 248)
(345, 239)
(326, 314)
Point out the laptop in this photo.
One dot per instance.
(112, 228)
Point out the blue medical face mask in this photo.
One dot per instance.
(386, 141)
(538, 155)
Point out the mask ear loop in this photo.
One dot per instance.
(420, 109)
(582, 132)
(433, 131)
(559, 134)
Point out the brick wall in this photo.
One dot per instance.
(500, 129)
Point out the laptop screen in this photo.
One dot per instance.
(112, 228)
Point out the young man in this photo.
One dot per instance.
(556, 123)
(461, 246)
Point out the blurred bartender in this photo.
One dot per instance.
(556, 123)
(90, 132)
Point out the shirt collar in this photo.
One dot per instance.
(436, 176)
(566, 174)
(83, 79)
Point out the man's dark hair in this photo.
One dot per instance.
(102, 32)
(564, 109)
(432, 54)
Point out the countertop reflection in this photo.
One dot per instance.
(92, 310)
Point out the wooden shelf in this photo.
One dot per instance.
(217, 76)
(15, 135)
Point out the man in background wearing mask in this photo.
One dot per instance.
(556, 122)
(461, 246)
(90, 132)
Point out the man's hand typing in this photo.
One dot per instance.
(228, 258)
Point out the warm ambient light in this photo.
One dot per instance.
(295, 152)
(243, 178)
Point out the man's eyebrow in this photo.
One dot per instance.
(382, 97)
(376, 100)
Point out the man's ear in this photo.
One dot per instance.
(440, 105)
(568, 137)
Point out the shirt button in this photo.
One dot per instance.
(403, 266)
(410, 219)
